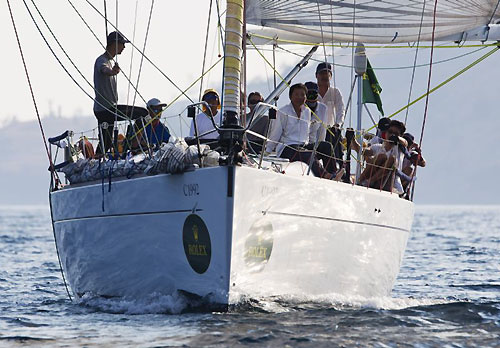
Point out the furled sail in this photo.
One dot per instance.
(375, 21)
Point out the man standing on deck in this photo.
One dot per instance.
(331, 96)
(106, 95)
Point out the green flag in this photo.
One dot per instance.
(371, 88)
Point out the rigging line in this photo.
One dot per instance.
(116, 13)
(196, 81)
(143, 50)
(219, 25)
(430, 73)
(176, 98)
(321, 28)
(333, 48)
(140, 68)
(106, 18)
(275, 83)
(31, 88)
(352, 57)
(494, 11)
(427, 97)
(222, 96)
(205, 50)
(118, 112)
(132, 53)
(128, 79)
(480, 59)
(65, 53)
(415, 61)
(399, 67)
(268, 38)
(52, 171)
(135, 47)
(281, 77)
(99, 41)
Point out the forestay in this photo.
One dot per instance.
(372, 21)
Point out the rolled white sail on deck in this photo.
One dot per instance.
(372, 21)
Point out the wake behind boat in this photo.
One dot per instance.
(218, 219)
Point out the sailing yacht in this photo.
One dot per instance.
(261, 226)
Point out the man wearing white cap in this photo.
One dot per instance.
(203, 120)
(156, 131)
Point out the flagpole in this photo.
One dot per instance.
(360, 68)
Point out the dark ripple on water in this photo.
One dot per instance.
(447, 295)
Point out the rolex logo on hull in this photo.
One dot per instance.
(259, 245)
(197, 244)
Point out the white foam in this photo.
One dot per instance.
(152, 304)
(338, 301)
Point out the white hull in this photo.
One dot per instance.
(269, 234)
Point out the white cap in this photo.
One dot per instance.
(156, 102)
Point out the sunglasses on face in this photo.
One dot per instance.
(312, 95)
(254, 102)
(210, 97)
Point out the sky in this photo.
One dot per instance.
(459, 140)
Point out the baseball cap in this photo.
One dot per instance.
(324, 66)
(116, 36)
(154, 102)
(208, 92)
(409, 137)
(383, 124)
(311, 86)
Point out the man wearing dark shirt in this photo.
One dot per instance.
(156, 131)
(106, 95)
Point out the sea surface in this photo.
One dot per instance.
(447, 295)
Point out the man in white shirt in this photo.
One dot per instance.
(290, 131)
(204, 119)
(317, 129)
(319, 123)
(332, 98)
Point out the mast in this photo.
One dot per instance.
(232, 60)
(360, 64)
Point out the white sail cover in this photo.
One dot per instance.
(373, 21)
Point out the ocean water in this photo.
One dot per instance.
(447, 295)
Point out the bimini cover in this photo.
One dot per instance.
(372, 21)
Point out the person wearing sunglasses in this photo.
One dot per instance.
(318, 127)
(204, 119)
(157, 133)
(254, 143)
(317, 131)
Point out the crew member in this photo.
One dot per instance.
(204, 119)
(290, 132)
(332, 98)
(156, 132)
(106, 95)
